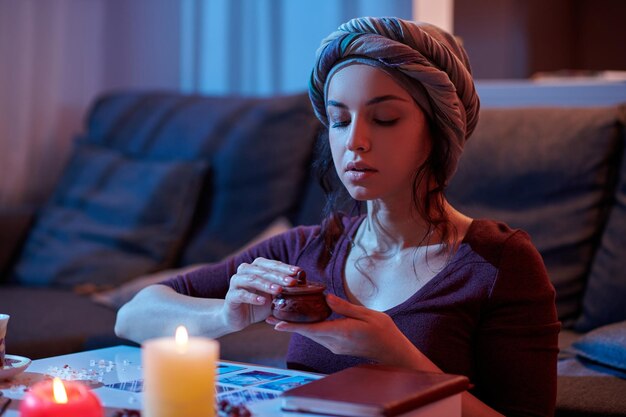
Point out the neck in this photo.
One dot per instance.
(386, 227)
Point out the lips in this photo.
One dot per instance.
(357, 172)
(358, 166)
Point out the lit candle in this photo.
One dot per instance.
(179, 376)
(54, 398)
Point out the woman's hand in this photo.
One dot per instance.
(361, 332)
(249, 297)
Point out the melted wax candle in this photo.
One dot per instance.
(179, 376)
(54, 398)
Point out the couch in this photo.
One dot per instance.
(160, 181)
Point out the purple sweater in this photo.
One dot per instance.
(489, 314)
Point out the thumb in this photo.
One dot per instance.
(346, 308)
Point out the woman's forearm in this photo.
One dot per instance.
(157, 310)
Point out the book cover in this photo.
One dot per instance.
(373, 390)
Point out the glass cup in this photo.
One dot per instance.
(4, 320)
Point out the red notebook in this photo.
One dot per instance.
(373, 390)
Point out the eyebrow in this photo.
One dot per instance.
(374, 100)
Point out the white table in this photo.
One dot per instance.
(115, 375)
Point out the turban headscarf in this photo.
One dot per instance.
(426, 60)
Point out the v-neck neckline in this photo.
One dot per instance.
(339, 266)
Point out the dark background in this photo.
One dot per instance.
(518, 38)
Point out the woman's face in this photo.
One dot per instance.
(378, 135)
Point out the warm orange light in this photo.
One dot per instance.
(58, 389)
(181, 338)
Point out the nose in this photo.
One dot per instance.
(358, 139)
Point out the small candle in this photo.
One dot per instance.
(54, 398)
(179, 376)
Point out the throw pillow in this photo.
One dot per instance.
(117, 297)
(605, 345)
(112, 217)
(259, 149)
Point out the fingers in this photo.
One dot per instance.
(360, 332)
(280, 267)
(241, 296)
(263, 273)
(346, 308)
(280, 324)
(306, 329)
(254, 280)
(338, 305)
(258, 282)
(254, 283)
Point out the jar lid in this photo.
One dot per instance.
(310, 288)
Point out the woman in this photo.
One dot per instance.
(412, 282)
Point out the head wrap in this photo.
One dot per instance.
(426, 60)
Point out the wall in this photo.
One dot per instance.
(57, 56)
(50, 68)
(600, 35)
(517, 38)
(264, 47)
(141, 45)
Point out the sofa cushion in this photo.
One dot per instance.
(590, 396)
(259, 168)
(258, 149)
(112, 217)
(115, 298)
(551, 172)
(605, 345)
(605, 296)
(585, 389)
(118, 296)
(14, 226)
(52, 321)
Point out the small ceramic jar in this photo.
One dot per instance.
(302, 303)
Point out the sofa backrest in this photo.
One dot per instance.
(258, 150)
(212, 173)
(552, 172)
(165, 179)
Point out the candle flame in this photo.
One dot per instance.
(58, 389)
(181, 336)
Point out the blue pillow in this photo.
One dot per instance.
(605, 345)
(112, 217)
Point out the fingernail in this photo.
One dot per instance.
(261, 299)
(274, 287)
(288, 280)
(294, 269)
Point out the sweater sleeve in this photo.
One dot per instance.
(213, 280)
(517, 342)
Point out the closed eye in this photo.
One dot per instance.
(339, 124)
(389, 122)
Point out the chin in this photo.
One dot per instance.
(361, 195)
